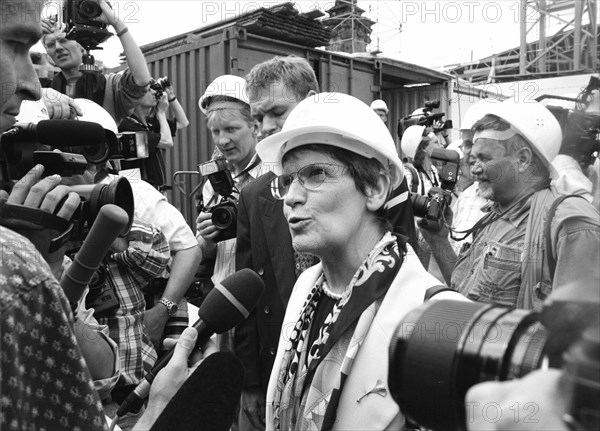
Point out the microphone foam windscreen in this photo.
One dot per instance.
(208, 399)
(69, 133)
(229, 303)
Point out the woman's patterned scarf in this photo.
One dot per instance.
(308, 389)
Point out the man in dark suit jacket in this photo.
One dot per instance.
(264, 243)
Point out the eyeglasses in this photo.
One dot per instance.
(310, 177)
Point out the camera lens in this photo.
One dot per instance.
(89, 9)
(118, 192)
(420, 204)
(442, 348)
(224, 217)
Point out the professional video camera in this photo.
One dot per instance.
(581, 130)
(27, 144)
(444, 347)
(78, 16)
(224, 214)
(431, 208)
(80, 143)
(159, 86)
(424, 117)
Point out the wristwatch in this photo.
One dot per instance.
(171, 306)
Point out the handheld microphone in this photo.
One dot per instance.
(227, 305)
(208, 398)
(109, 223)
(58, 133)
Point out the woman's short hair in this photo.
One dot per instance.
(365, 172)
(244, 107)
(295, 73)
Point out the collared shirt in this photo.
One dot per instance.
(225, 258)
(507, 263)
(467, 211)
(45, 381)
(128, 272)
(490, 270)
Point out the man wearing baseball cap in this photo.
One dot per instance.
(530, 242)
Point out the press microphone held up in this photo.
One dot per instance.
(57, 133)
(109, 224)
(227, 305)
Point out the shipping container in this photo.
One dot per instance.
(192, 61)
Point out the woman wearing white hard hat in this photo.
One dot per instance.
(151, 116)
(235, 133)
(337, 165)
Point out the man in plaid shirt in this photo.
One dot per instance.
(134, 261)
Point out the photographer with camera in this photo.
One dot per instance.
(234, 134)
(531, 241)
(118, 93)
(151, 116)
(421, 176)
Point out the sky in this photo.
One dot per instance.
(430, 33)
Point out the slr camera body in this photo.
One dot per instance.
(431, 208)
(159, 86)
(224, 213)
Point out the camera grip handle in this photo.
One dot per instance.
(109, 224)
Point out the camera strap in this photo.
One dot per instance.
(493, 216)
(19, 217)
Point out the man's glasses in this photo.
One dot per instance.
(310, 177)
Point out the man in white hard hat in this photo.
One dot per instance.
(510, 261)
(381, 109)
(234, 132)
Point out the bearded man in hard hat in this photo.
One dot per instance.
(530, 241)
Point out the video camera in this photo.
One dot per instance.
(581, 130)
(78, 15)
(444, 347)
(424, 118)
(431, 208)
(26, 145)
(159, 86)
(224, 214)
(79, 142)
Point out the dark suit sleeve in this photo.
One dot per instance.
(246, 334)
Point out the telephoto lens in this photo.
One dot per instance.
(444, 347)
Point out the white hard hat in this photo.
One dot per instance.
(224, 85)
(379, 105)
(476, 112)
(32, 111)
(411, 138)
(533, 122)
(455, 145)
(96, 114)
(334, 119)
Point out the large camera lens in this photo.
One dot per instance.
(442, 348)
(117, 192)
(89, 9)
(224, 216)
(420, 204)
